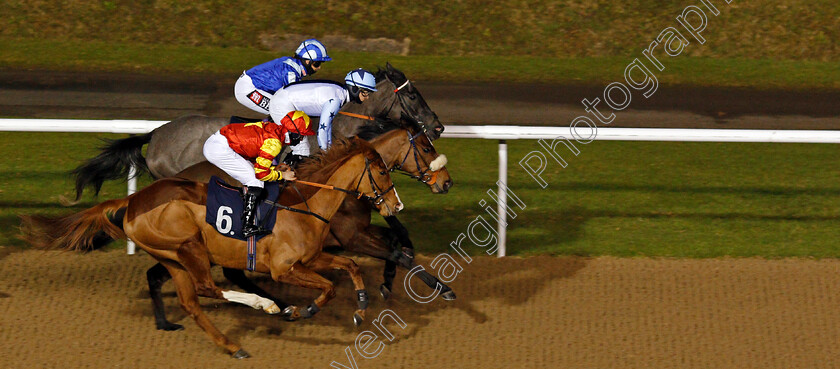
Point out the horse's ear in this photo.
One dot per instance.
(388, 66)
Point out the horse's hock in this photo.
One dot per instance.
(290, 42)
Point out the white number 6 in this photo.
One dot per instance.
(223, 221)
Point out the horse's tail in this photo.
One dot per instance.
(86, 230)
(114, 162)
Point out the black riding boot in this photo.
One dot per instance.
(250, 223)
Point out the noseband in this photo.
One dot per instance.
(426, 176)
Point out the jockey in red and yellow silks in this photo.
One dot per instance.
(245, 151)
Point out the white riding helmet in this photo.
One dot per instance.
(362, 79)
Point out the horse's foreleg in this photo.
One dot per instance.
(399, 231)
(189, 302)
(157, 275)
(299, 275)
(405, 259)
(326, 261)
(196, 261)
(238, 278)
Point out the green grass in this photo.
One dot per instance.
(615, 198)
(94, 56)
(777, 29)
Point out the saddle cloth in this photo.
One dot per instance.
(225, 205)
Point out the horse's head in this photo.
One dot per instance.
(421, 160)
(406, 99)
(376, 185)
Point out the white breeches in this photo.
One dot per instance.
(218, 151)
(281, 106)
(243, 89)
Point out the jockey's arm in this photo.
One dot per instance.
(263, 169)
(328, 112)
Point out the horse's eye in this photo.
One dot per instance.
(426, 149)
(412, 96)
(382, 172)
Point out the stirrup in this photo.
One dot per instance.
(252, 230)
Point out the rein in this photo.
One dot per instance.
(399, 98)
(378, 192)
(354, 115)
(376, 200)
(284, 207)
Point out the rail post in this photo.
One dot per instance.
(502, 209)
(132, 188)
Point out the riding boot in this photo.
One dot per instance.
(250, 223)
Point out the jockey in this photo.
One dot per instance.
(245, 151)
(256, 86)
(322, 99)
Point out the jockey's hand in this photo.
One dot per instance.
(289, 175)
(292, 160)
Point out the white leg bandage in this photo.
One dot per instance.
(252, 300)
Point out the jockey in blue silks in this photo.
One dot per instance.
(256, 86)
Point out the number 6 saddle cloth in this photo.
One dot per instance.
(225, 205)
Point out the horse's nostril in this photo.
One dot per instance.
(400, 206)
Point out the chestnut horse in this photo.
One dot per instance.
(402, 149)
(167, 220)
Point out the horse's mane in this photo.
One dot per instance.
(331, 159)
(378, 128)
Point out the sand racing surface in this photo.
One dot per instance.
(66, 310)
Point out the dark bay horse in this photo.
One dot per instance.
(178, 144)
(406, 150)
(167, 220)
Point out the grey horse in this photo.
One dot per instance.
(178, 144)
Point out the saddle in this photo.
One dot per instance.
(238, 119)
(225, 205)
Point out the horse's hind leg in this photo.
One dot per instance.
(196, 261)
(326, 261)
(189, 302)
(238, 278)
(157, 276)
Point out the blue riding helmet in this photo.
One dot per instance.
(312, 49)
(362, 79)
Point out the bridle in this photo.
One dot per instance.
(399, 98)
(426, 176)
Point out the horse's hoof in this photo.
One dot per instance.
(273, 309)
(357, 319)
(290, 313)
(449, 295)
(240, 354)
(385, 292)
(170, 327)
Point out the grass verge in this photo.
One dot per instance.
(651, 199)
